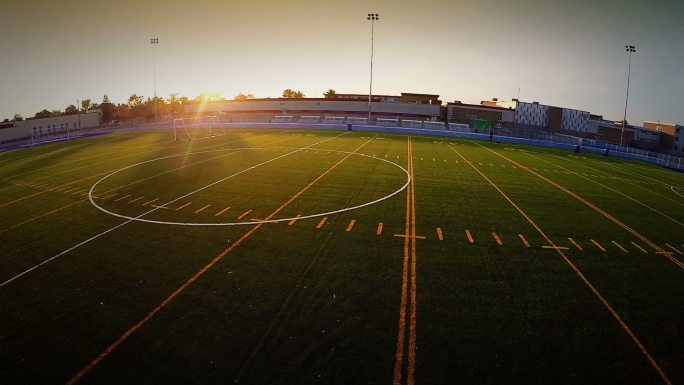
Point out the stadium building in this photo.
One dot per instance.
(554, 119)
(418, 107)
(458, 112)
(47, 128)
(669, 136)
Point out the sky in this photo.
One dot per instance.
(564, 53)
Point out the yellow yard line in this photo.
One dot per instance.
(40, 216)
(470, 236)
(152, 201)
(244, 214)
(524, 241)
(113, 189)
(160, 207)
(322, 222)
(497, 239)
(43, 192)
(401, 335)
(122, 198)
(292, 222)
(351, 225)
(184, 206)
(619, 246)
(657, 248)
(440, 236)
(379, 230)
(202, 209)
(22, 198)
(410, 371)
(136, 199)
(577, 245)
(553, 247)
(597, 245)
(582, 277)
(640, 248)
(130, 331)
(218, 214)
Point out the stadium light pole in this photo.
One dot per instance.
(372, 17)
(154, 41)
(630, 49)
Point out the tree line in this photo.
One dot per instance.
(137, 107)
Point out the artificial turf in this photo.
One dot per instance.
(313, 301)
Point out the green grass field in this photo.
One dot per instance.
(495, 264)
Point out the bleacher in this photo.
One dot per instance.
(387, 122)
(282, 119)
(309, 119)
(434, 125)
(458, 127)
(354, 120)
(412, 123)
(333, 119)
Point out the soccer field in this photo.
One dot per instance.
(320, 257)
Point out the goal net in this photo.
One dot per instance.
(200, 127)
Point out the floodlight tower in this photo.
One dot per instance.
(154, 41)
(630, 49)
(372, 17)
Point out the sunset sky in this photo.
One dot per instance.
(564, 53)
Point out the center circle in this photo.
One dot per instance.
(140, 218)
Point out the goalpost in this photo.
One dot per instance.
(192, 127)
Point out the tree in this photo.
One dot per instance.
(42, 114)
(135, 103)
(330, 94)
(86, 104)
(208, 97)
(18, 118)
(174, 104)
(242, 96)
(289, 93)
(70, 110)
(55, 113)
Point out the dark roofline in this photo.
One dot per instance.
(548, 105)
(414, 94)
(480, 106)
(376, 98)
(374, 95)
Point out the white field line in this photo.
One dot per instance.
(150, 211)
(632, 182)
(141, 180)
(33, 157)
(615, 191)
(327, 213)
(14, 177)
(634, 173)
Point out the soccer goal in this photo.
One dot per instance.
(200, 127)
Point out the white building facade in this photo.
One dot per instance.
(49, 127)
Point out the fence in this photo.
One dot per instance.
(526, 136)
